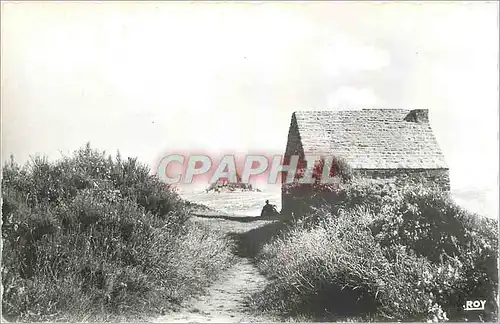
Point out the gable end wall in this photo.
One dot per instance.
(293, 147)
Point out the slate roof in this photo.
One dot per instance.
(371, 138)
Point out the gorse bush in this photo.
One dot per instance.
(377, 251)
(301, 197)
(94, 237)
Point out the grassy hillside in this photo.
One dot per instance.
(376, 252)
(91, 237)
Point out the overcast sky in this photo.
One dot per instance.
(146, 77)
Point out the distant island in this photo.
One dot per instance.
(226, 186)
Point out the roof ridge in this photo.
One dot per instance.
(385, 109)
(361, 109)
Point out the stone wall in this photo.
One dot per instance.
(439, 177)
(293, 144)
(293, 147)
(297, 201)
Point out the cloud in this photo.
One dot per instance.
(352, 98)
(143, 77)
(346, 55)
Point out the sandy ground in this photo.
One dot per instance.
(236, 203)
(226, 301)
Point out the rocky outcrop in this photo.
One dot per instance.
(222, 186)
(226, 186)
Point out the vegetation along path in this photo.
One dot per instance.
(229, 299)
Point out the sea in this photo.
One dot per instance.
(480, 201)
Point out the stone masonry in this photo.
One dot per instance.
(377, 143)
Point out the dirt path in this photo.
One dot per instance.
(226, 301)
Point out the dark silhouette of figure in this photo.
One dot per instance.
(269, 210)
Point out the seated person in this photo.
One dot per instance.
(268, 209)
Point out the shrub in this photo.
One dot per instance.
(377, 251)
(90, 237)
(302, 196)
